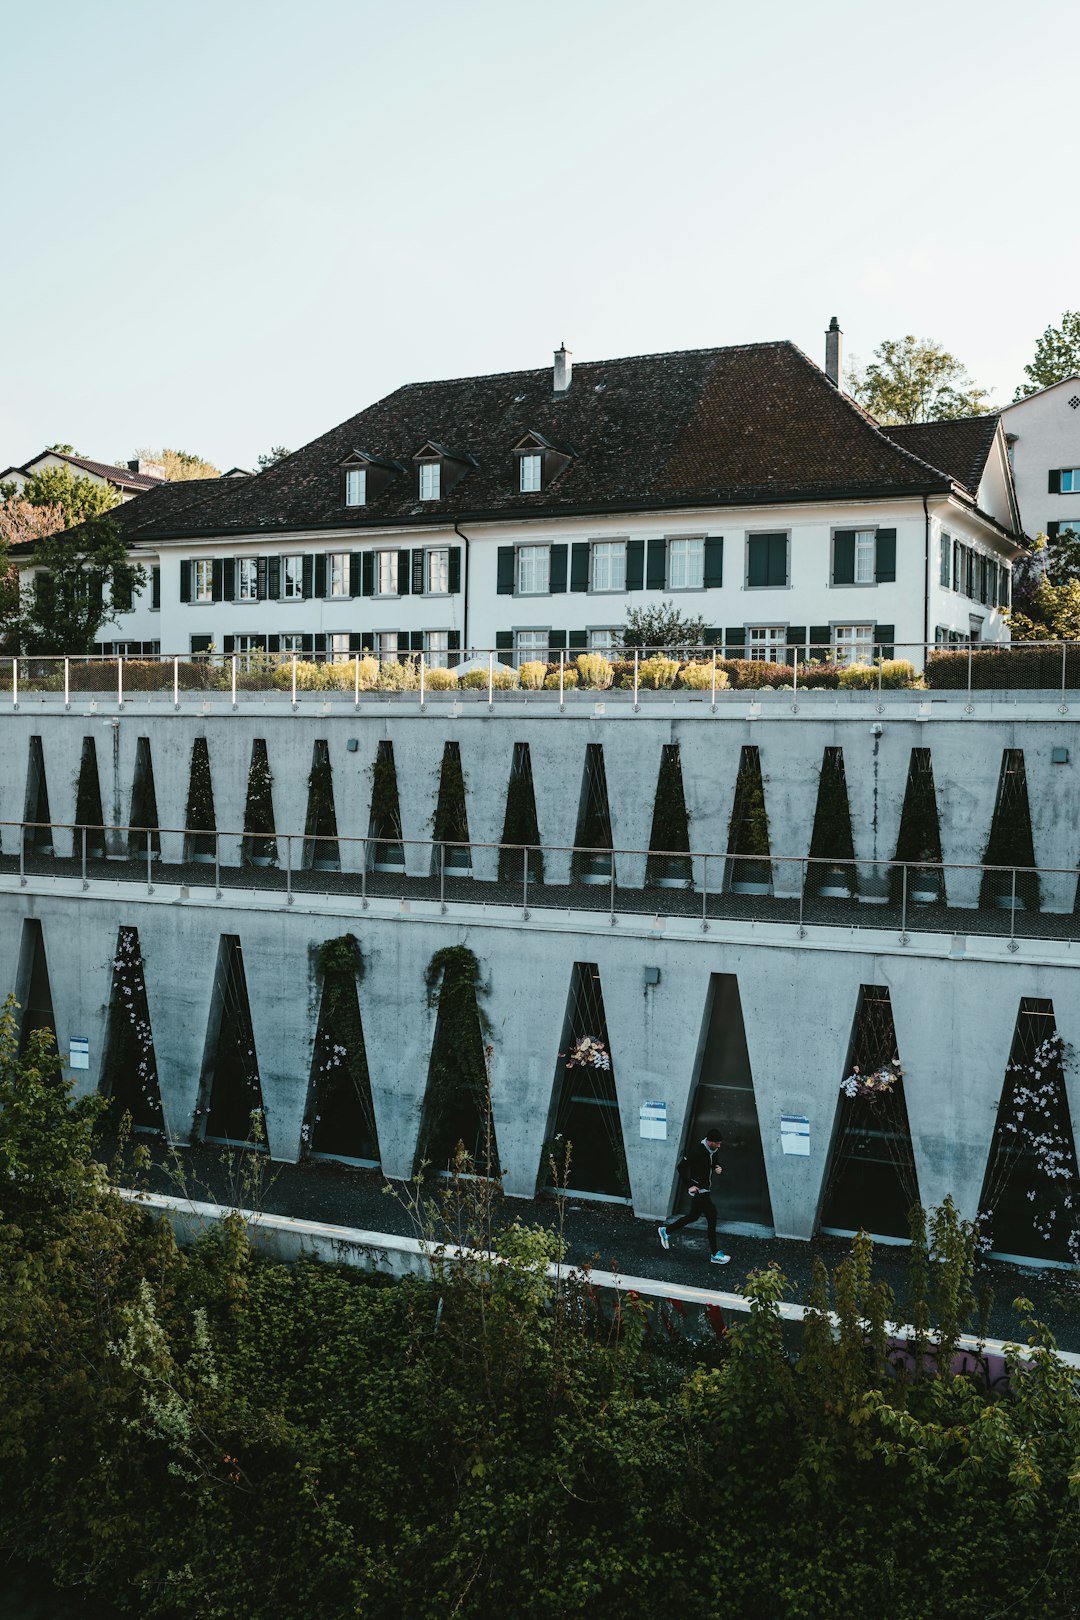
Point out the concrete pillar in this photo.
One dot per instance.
(170, 749)
(557, 748)
(791, 759)
(526, 1008)
(876, 768)
(284, 1009)
(487, 756)
(180, 956)
(352, 785)
(229, 741)
(399, 1028)
(80, 942)
(13, 781)
(1054, 801)
(967, 769)
(61, 751)
(418, 755)
(709, 752)
(632, 766)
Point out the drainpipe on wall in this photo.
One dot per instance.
(464, 593)
(926, 578)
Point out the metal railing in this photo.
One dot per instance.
(725, 675)
(699, 886)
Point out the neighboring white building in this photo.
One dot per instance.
(1043, 433)
(134, 479)
(528, 511)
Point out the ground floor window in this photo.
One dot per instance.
(531, 645)
(337, 648)
(437, 648)
(386, 645)
(767, 643)
(853, 644)
(603, 641)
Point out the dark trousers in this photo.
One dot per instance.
(700, 1204)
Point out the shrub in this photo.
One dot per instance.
(532, 676)
(755, 674)
(594, 671)
(857, 677)
(569, 679)
(441, 680)
(308, 675)
(399, 677)
(698, 677)
(1015, 668)
(894, 673)
(658, 671)
(502, 679)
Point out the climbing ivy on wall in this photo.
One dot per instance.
(456, 1104)
(520, 825)
(341, 1113)
(260, 843)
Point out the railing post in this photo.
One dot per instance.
(712, 692)
(14, 683)
(288, 869)
(85, 881)
(294, 680)
(176, 682)
(562, 673)
(704, 894)
(442, 877)
(22, 854)
(969, 674)
(423, 673)
(903, 905)
(149, 862)
(356, 682)
(802, 898)
(1064, 706)
(67, 683)
(491, 680)
(525, 883)
(120, 683)
(612, 887)
(217, 867)
(232, 661)
(363, 876)
(635, 680)
(1012, 915)
(795, 684)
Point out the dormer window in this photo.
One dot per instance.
(430, 480)
(439, 468)
(539, 462)
(364, 477)
(530, 472)
(356, 486)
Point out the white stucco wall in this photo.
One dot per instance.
(1045, 434)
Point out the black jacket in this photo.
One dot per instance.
(696, 1166)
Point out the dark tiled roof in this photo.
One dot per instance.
(122, 476)
(959, 448)
(754, 423)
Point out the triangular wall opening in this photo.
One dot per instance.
(831, 874)
(669, 841)
(89, 816)
(585, 1138)
(231, 1090)
(129, 1075)
(33, 992)
(457, 1107)
(259, 846)
(386, 850)
(919, 841)
(340, 1118)
(1030, 1201)
(723, 1099)
(38, 836)
(870, 1180)
(520, 824)
(451, 824)
(1011, 845)
(201, 823)
(143, 821)
(320, 830)
(592, 840)
(749, 871)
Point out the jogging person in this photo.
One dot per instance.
(697, 1168)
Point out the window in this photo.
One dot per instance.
(292, 578)
(957, 566)
(386, 573)
(766, 560)
(1070, 480)
(531, 645)
(338, 573)
(686, 564)
(430, 480)
(602, 641)
(337, 648)
(945, 561)
(437, 648)
(853, 644)
(437, 573)
(975, 625)
(386, 644)
(356, 486)
(533, 575)
(609, 565)
(768, 643)
(865, 556)
(247, 580)
(1066, 524)
(249, 644)
(204, 581)
(292, 644)
(530, 473)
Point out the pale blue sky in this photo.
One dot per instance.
(232, 225)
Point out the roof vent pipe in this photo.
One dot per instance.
(564, 366)
(834, 351)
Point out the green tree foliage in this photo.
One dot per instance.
(1046, 591)
(664, 626)
(78, 575)
(914, 379)
(62, 449)
(276, 453)
(77, 498)
(1057, 356)
(180, 465)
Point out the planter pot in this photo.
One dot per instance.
(673, 883)
(750, 886)
(834, 891)
(1009, 902)
(874, 891)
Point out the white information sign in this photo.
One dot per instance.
(79, 1055)
(795, 1135)
(653, 1121)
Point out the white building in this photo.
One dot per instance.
(529, 511)
(1043, 433)
(134, 479)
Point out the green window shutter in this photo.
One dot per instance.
(1054, 484)
(455, 570)
(505, 585)
(714, 562)
(656, 565)
(778, 559)
(885, 557)
(307, 645)
(367, 573)
(1052, 530)
(757, 560)
(557, 570)
(418, 571)
(796, 643)
(273, 578)
(504, 642)
(320, 574)
(820, 642)
(273, 643)
(578, 640)
(155, 585)
(356, 569)
(228, 645)
(308, 585)
(187, 568)
(403, 573)
(579, 565)
(228, 579)
(217, 576)
(356, 644)
(416, 641)
(453, 641)
(843, 557)
(886, 635)
(735, 642)
(260, 578)
(556, 640)
(635, 564)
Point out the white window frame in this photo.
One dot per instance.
(356, 486)
(337, 647)
(431, 480)
(337, 573)
(602, 640)
(767, 643)
(530, 472)
(1070, 480)
(244, 646)
(287, 581)
(865, 556)
(203, 583)
(607, 564)
(292, 642)
(389, 561)
(247, 579)
(437, 648)
(853, 644)
(685, 560)
(531, 646)
(386, 645)
(436, 572)
(533, 564)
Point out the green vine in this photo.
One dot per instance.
(748, 830)
(450, 823)
(201, 820)
(457, 1089)
(341, 1086)
(520, 825)
(260, 843)
(385, 808)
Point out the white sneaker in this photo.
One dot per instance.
(662, 1234)
(720, 1258)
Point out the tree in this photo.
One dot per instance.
(277, 453)
(180, 465)
(664, 626)
(65, 602)
(915, 380)
(1057, 356)
(62, 449)
(1046, 590)
(78, 498)
(21, 521)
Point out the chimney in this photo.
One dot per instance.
(150, 469)
(564, 366)
(834, 352)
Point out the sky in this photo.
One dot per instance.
(231, 225)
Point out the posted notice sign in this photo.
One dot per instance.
(79, 1054)
(653, 1121)
(795, 1135)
